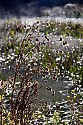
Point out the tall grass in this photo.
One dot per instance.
(30, 57)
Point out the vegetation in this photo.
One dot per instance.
(25, 53)
(69, 29)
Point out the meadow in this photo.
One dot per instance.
(50, 50)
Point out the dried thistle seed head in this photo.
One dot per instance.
(61, 39)
(61, 52)
(65, 42)
(49, 89)
(47, 38)
(53, 93)
(37, 39)
(47, 24)
(57, 52)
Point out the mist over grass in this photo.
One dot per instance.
(30, 8)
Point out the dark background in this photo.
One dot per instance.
(18, 7)
(13, 3)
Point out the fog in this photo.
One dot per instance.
(30, 7)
